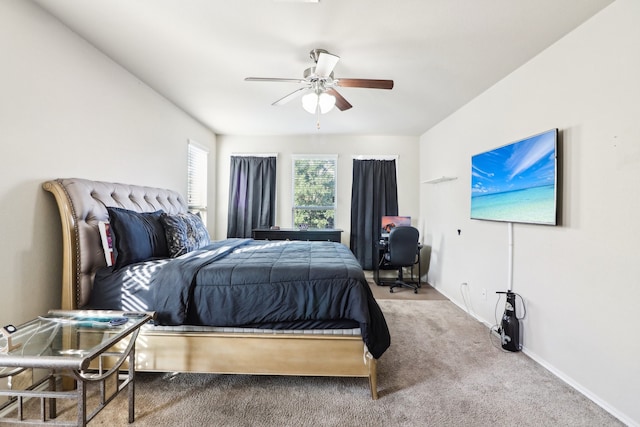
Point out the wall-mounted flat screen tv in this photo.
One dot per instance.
(517, 182)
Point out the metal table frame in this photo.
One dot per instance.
(81, 369)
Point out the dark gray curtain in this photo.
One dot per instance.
(374, 194)
(252, 195)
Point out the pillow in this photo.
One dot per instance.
(107, 242)
(185, 232)
(138, 236)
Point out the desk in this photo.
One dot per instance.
(315, 234)
(381, 247)
(69, 343)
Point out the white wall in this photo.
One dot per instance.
(344, 146)
(66, 110)
(581, 280)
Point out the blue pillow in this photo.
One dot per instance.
(138, 236)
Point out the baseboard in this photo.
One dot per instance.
(542, 362)
(463, 307)
(580, 388)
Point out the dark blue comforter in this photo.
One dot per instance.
(278, 284)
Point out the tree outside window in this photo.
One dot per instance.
(314, 191)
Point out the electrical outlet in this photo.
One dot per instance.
(483, 293)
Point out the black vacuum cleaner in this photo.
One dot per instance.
(510, 325)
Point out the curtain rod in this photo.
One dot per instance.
(254, 154)
(375, 157)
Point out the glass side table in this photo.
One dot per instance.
(89, 346)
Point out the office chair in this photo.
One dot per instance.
(401, 252)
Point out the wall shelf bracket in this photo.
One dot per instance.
(440, 179)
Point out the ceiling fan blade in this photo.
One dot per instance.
(271, 79)
(341, 103)
(366, 83)
(326, 63)
(290, 96)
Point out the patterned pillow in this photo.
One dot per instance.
(185, 232)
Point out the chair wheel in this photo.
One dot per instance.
(415, 291)
(391, 290)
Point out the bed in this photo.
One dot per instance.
(191, 337)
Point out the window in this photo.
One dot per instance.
(314, 191)
(197, 179)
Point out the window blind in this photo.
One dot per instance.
(197, 159)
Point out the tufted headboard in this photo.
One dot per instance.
(82, 204)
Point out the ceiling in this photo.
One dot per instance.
(440, 54)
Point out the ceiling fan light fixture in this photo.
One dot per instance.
(326, 102)
(313, 101)
(320, 85)
(310, 102)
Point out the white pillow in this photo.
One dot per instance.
(106, 236)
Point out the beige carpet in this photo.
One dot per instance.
(441, 370)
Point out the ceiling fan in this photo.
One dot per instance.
(318, 85)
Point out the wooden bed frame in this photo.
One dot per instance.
(82, 204)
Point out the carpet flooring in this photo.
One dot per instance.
(426, 292)
(441, 370)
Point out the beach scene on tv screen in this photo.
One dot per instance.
(516, 182)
